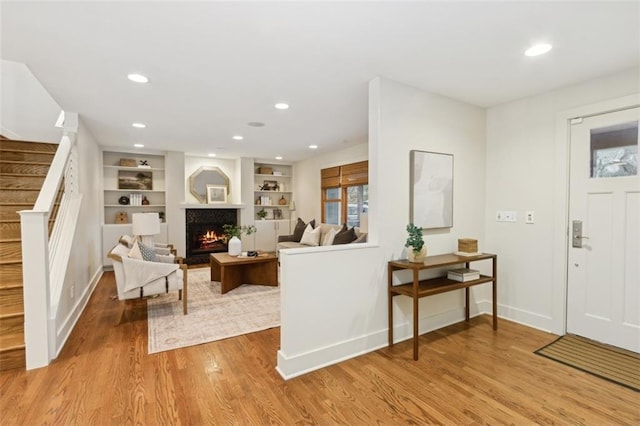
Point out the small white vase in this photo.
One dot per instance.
(414, 257)
(235, 246)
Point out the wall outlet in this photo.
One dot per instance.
(529, 216)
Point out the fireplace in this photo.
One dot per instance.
(204, 232)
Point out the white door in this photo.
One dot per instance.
(603, 298)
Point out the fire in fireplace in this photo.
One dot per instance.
(204, 232)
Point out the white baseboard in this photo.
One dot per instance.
(69, 323)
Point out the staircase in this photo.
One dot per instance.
(23, 167)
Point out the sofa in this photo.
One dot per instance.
(320, 235)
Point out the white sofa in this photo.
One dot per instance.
(288, 241)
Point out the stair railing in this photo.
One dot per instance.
(45, 256)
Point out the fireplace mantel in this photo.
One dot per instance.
(212, 206)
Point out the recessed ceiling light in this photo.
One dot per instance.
(538, 49)
(212, 155)
(282, 105)
(313, 146)
(255, 124)
(279, 157)
(138, 145)
(238, 137)
(138, 78)
(139, 125)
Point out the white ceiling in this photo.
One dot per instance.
(215, 66)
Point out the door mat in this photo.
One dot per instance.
(608, 362)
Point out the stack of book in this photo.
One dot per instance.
(463, 274)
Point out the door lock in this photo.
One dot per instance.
(576, 235)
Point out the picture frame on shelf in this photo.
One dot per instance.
(135, 179)
(270, 185)
(431, 189)
(216, 194)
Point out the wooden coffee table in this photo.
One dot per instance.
(233, 271)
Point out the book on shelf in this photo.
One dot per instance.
(463, 274)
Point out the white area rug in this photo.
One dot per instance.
(211, 316)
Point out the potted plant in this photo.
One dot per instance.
(233, 234)
(262, 213)
(416, 250)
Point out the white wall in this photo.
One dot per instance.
(306, 186)
(28, 112)
(526, 170)
(85, 265)
(334, 299)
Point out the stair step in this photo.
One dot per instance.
(10, 230)
(19, 167)
(14, 358)
(11, 300)
(11, 250)
(16, 145)
(9, 211)
(38, 157)
(16, 181)
(11, 274)
(22, 196)
(12, 324)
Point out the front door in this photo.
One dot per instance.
(603, 297)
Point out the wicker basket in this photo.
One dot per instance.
(265, 170)
(467, 245)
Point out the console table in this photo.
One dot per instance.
(423, 288)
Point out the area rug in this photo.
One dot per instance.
(608, 362)
(211, 316)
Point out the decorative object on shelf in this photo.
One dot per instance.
(258, 201)
(216, 194)
(463, 274)
(277, 214)
(145, 226)
(206, 175)
(262, 214)
(145, 201)
(282, 201)
(161, 216)
(270, 185)
(233, 233)
(131, 179)
(127, 162)
(123, 200)
(467, 247)
(262, 170)
(122, 217)
(416, 250)
(292, 206)
(144, 164)
(135, 199)
(431, 191)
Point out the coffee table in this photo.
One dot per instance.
(233, 271)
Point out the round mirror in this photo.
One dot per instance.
(206, 175)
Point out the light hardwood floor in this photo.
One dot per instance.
(467, 374)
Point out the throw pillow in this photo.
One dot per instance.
(298, 230)
(345, 237)
(311, 237)
(148, 253)
(135, 253)
(327, 240)
(300, 227)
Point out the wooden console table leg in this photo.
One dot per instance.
(416, 299)
(390, 304)
(466, 304)
(495, 292)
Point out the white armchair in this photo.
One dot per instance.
(139, 278)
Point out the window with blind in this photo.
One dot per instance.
(345, 193)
